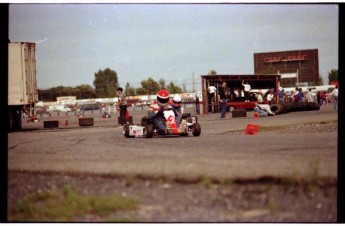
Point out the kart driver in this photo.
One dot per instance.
(155, 111)
(176, 105)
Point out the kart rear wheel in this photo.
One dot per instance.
(196, 129)
(149, 131)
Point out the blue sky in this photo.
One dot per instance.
(169, 41)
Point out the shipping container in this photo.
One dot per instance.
(22, 83)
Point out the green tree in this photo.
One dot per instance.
(86, 91)
(149, 86)
(319, 82)
(162, 84)
(332, 76)
(130, 90)
(141, 91)
(213, 72)
(172, 88)
(106, 83)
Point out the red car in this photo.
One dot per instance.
(240, 103)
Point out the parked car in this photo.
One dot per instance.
(240, 103)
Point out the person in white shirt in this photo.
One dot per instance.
(246, 89)
(310, 96)
(270, 97)
(211, 96)
(259, 97)
(335, 94)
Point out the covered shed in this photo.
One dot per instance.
(233, 82)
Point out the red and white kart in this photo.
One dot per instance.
(189, 125)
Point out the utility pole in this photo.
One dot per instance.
(193, 83)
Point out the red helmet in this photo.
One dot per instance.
(163, 96)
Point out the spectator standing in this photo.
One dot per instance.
(319, 98)
(197, 104)
(310, 96)
(259, 97)
(270, 97)
(222, 100)
(335, 94)
(122, 105)
(300, 95)
(295, 95)
(324, 98)
(246, 89)
(211, 96)
(281, 95)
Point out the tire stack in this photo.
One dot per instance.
(294, 106)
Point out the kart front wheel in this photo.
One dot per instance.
(149, 131)
(126, 130)
(196, 129)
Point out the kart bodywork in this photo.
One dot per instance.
(189, 125)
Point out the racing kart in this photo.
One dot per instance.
(189, 125)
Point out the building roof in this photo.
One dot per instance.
(241, 77)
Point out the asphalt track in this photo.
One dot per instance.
(222, 150)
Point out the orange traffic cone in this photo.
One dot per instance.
(252, 129)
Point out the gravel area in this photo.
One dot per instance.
(325, 127)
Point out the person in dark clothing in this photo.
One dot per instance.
(122, 105)
(197, 104)
(222, 100)
(319, 98)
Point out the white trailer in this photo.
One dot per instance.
(22, 84)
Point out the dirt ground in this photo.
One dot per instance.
(200, 201)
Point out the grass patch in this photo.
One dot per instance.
(312, 175)
(323, 122)
(206, 181)
(66, 206)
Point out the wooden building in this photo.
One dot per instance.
(234, 82)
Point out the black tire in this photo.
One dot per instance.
(149, 131)
(231, 108)
(196, 130)
(15, 119)
(276, 108)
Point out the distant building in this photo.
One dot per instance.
(295, 67)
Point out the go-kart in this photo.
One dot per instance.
(147, 128)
